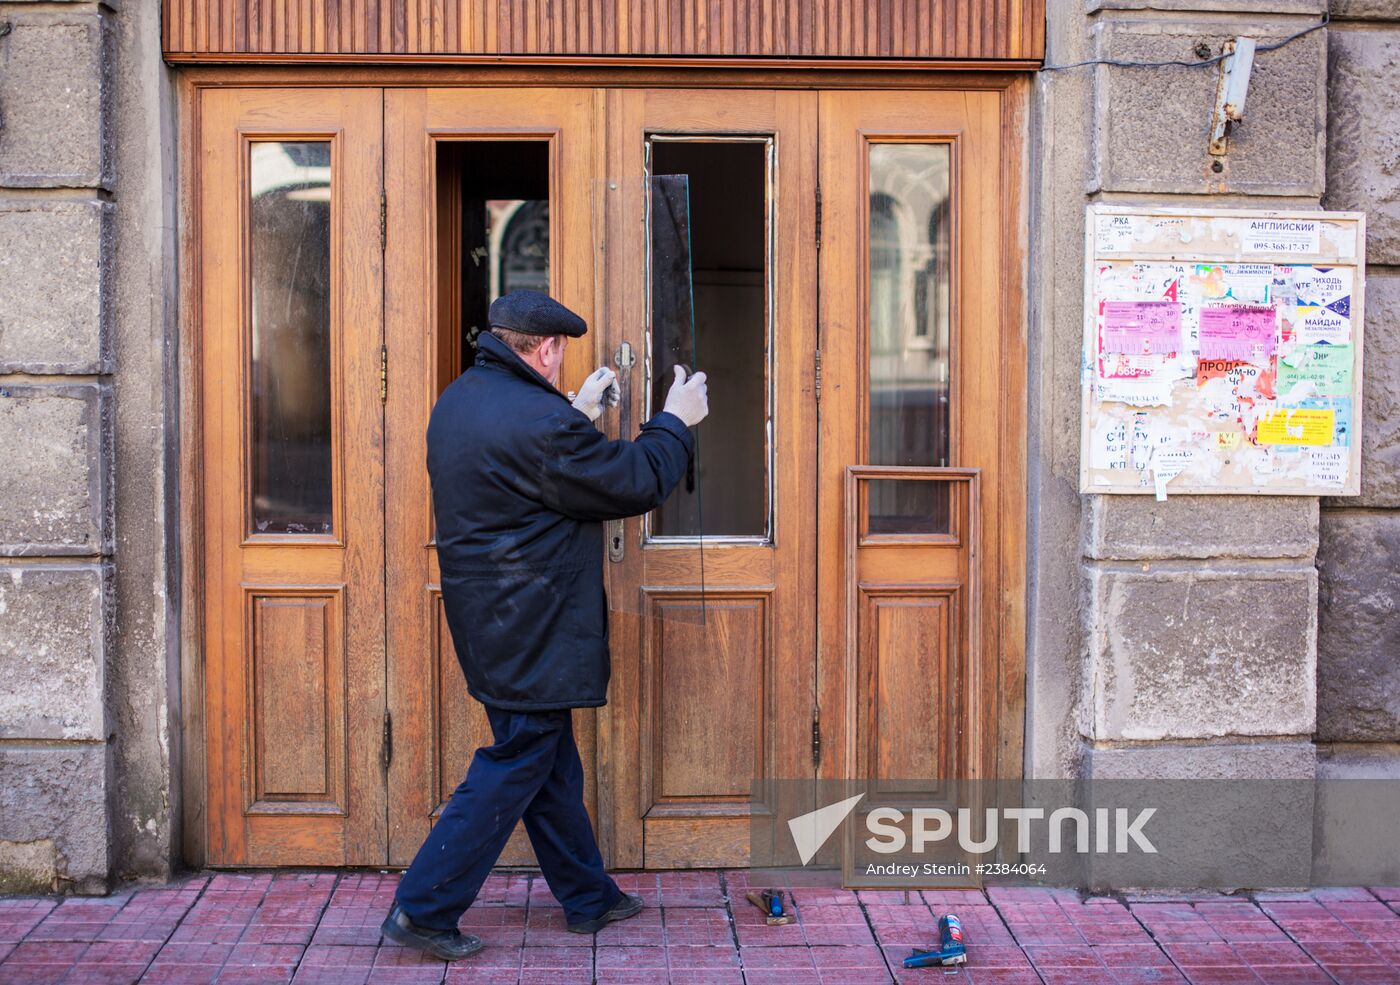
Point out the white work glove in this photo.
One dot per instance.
(688, 399)
(600, 387)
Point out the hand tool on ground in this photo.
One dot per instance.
(770, 901)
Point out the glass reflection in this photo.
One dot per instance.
(910, 243)
(290, 375)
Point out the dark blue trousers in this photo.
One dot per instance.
(532, 771)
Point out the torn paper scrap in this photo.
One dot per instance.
(1142, 327)
(1167, 464)
(1144, 392)
(1328, 466)
(1238, 332)
(1227, 440)
(1108, 444)
(1115, 233)
(1122, 366)
(1243, 283)
(1297, 426)
(1341, 408)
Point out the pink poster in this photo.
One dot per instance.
(1238, 332)
(1142, 328)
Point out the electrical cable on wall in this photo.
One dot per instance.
(1214, 59)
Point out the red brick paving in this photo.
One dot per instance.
(322, 928)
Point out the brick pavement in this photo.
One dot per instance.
(323, 927)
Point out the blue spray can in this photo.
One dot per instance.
(950, 939)
(950, 951)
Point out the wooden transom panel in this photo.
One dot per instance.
(1005, 31)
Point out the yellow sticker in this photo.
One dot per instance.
(1304, 426)
(1227, 440)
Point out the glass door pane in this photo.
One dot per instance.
(909, 237)
(720, 216)
(290, 378)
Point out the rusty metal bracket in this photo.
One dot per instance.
(1230, 94)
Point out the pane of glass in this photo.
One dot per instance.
(495, 199)
(907, 506)
(910, 244)
(725, 333)
(290, 243)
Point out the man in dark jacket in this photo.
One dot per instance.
(522, 482)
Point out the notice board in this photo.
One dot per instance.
(1222, 352)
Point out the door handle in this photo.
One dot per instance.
(624, 358)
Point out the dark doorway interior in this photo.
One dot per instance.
(493, 236)
(728, 226)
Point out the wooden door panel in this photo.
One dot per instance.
(911, 628)
(437, 725)
(293, 607)
(707, 699)
(697, 749)
(915, 273)
(298, 681)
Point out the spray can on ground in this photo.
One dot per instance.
(950, 951)
(950, 939)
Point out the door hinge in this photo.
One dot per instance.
(383, 221)
(387, 750)
(819, 218)
(817, 376)
(383, 374)
(816, 738)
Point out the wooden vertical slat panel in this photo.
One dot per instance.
(980, 30)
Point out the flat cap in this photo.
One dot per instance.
(534, 313)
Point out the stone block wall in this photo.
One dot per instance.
(86, 278)
(1358, 686)
(56, 429)
(1188, 645)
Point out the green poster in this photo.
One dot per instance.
(1326, 367)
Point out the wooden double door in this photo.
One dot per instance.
(833, 593)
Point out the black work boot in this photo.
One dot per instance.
(629, 906)
(449, 945)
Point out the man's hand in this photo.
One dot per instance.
(688, 399)
(601, 386)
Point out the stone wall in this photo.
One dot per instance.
(1187, 645)
(86, 274)
(1358, 674)
(1199, 637)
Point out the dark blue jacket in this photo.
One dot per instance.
(522, 483)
